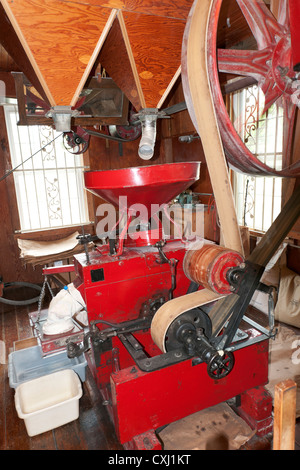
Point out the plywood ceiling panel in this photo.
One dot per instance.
(61, 39)
(167, 8)
(137, 41)
(156, 48)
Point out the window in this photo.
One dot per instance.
(258, 199)
(49, 186)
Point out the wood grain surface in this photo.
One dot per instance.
(114, 57)
(166, 8)
(61, 39)
(156, 47)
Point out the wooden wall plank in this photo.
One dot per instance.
(7, 64)
(60, 39)
(232, 26)
(114, 58)
(156, 47)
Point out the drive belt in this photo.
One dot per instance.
(199, 102)
(200, 105)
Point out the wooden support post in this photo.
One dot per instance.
(284, 415)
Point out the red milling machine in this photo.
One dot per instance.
(168, 333)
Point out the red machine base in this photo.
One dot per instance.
(256, 409)
(142, 402)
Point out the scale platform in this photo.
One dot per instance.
(51, 344)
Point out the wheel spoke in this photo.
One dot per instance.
(262, 23)
(272, 93)
(244, 62)
(283, 17)
(219, 366)
(256, 64)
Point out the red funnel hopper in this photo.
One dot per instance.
(147, 185)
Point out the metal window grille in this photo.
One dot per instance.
(49, 186)
(258, 199)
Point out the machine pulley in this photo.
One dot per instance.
(192, 331)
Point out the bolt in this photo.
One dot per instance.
(199, 332)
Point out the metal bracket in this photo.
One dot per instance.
(149, 364)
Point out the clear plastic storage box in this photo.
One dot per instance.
(27, 364)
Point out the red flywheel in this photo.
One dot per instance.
(272, 65)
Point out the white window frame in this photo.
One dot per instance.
(257, 198)
(49, 186)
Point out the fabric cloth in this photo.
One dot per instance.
(287, 309)
(61, 310)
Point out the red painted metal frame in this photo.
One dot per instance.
(143, 401)
(274, 51)
(140, 402)
(256, 406)
(51, 270)
(295, 29)
(129, 281)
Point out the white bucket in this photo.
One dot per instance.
(49, 401)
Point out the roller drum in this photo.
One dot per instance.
(207, 265)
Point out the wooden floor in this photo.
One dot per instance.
(93, 429)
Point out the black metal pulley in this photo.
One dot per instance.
(192, 332)
(186, 326)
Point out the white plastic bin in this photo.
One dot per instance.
(49, 401)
